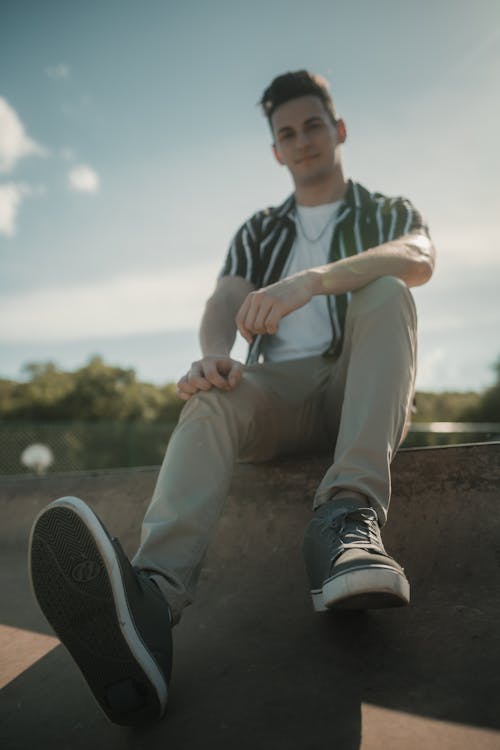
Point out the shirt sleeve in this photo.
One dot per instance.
(405, 219)
(242, 258)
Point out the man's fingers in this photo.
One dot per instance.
(240, 320)
(197, 377)
(191, 383)
(272, 320)
(185, 386)
(222, 372)
(235, 374)
(253, 315)
(184, 389)
(214, 377)
(260, 313)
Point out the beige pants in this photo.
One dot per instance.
(359, 405)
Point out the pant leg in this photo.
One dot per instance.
(272, 411)
(374, 384)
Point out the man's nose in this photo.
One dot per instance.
(303, 138)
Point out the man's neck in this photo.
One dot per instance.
(327, 191)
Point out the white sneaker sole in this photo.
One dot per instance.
(58, 553)
(375, 587)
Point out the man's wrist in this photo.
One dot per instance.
(216, 351)
(317, 280)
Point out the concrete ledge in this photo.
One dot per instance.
(456, 483)
(254, 666)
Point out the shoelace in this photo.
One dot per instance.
(356, 529)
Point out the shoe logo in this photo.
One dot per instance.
(85, 571)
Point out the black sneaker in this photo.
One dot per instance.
(347, 564)
(113, 620)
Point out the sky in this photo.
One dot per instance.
(132, 148)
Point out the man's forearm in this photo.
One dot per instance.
(217, 329)
(409, 259)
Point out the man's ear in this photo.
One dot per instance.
(342, 131)
(277, 156)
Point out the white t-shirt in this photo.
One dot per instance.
(307, 331)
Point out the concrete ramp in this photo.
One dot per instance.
(254, 666)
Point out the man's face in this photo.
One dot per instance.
(306, 139)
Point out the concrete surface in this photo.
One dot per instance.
(254, 666)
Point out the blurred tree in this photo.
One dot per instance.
(95, 392)
(101, 392)
(171, 405)
(447, 406)
(488, 407)
(37, 399)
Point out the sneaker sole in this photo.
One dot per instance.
(376, 587)
(75, 578)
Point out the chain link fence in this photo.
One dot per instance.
(82, 446)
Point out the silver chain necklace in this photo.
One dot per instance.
(320, 235)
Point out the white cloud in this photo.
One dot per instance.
(15, 143)
(59, 72)
(84, 179)
(475, 243)
(445, 365)
(165, 300)
(11, 195)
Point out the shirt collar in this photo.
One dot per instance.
(352, 200)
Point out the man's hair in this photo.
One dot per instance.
(292, 85)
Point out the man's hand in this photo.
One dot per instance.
(262, 310)
(222, 372)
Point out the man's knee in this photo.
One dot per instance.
(204, 403)
(381, 291)
(217, 402)
(385, 286)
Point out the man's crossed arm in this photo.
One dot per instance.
(410, 258)
(236, 305)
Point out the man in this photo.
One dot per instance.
(319, 289)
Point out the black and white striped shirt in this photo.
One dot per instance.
(261, 247)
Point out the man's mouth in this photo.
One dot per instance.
(308, 157)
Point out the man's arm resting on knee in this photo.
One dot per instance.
(410, 258)
(217, 335)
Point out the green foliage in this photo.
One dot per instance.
(95, 392)
(99, 392)
(39, 397)
(461, 407)
(447, 406)
(101, 416)
(488, 407)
